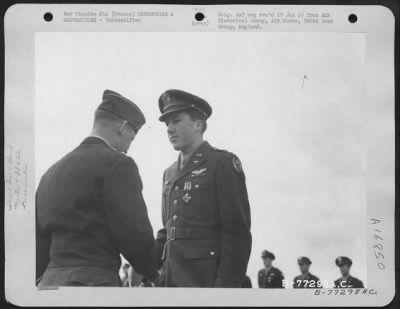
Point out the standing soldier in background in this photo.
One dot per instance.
(346, 281)
(90, 208)
(269, 277)
(306, 280)
(206, 237)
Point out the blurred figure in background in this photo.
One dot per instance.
(269, 277)
(346, 281)
(306, 280)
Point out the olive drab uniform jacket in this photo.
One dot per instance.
(273, 279)
(206, 215)
(308, 282)
(89, 209)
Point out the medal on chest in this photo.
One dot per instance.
(187, 188)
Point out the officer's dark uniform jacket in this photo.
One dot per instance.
(271, 279)
(247, 283)
(308, 282)
(351, 282)
(206, 215)
(89, 209)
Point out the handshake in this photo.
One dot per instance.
(131, 278)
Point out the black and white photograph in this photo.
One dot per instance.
(221, 159)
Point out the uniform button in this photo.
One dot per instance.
(166, 182)
(212, 253)
(196, 186)
(175, 202)
(176, 188)
(175, 217)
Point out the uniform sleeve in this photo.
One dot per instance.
(42, 249)
(259, 279)
(234, 211)
(359, 284)
(336, 283)
(127, 217)
(318, 283)
(162, 233)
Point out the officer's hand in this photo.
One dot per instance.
(136, 278)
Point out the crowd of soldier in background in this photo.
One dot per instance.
(269, 277)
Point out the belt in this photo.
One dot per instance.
(192, 233)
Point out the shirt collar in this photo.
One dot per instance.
(104, 140)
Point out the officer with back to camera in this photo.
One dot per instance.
(90, 208)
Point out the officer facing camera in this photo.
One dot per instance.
(206, 238)
(346, 281)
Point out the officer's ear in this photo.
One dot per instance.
(200, 125)
(125, 128)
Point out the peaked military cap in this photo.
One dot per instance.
(341, 260)
(267, 254)
(123, 108)
(174, 100)
(304, 260)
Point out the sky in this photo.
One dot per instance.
(289, 105)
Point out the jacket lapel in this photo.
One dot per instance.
(196, 159)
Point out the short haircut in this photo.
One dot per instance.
(107, 117)
(196, 115)
(104, 116)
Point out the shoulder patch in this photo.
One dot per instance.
(237, 165)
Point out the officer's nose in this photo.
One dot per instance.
(170, 128)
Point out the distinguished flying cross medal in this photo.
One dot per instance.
(187, 187)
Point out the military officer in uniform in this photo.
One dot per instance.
(90, 208)
(206, 238)
(346, 281)
(247, 283)
(269, 277)
(306, 280)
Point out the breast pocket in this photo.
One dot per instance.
(202, 198)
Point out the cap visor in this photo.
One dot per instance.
(172, 111)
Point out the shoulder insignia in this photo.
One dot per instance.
(237, 165)
(221, 150)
